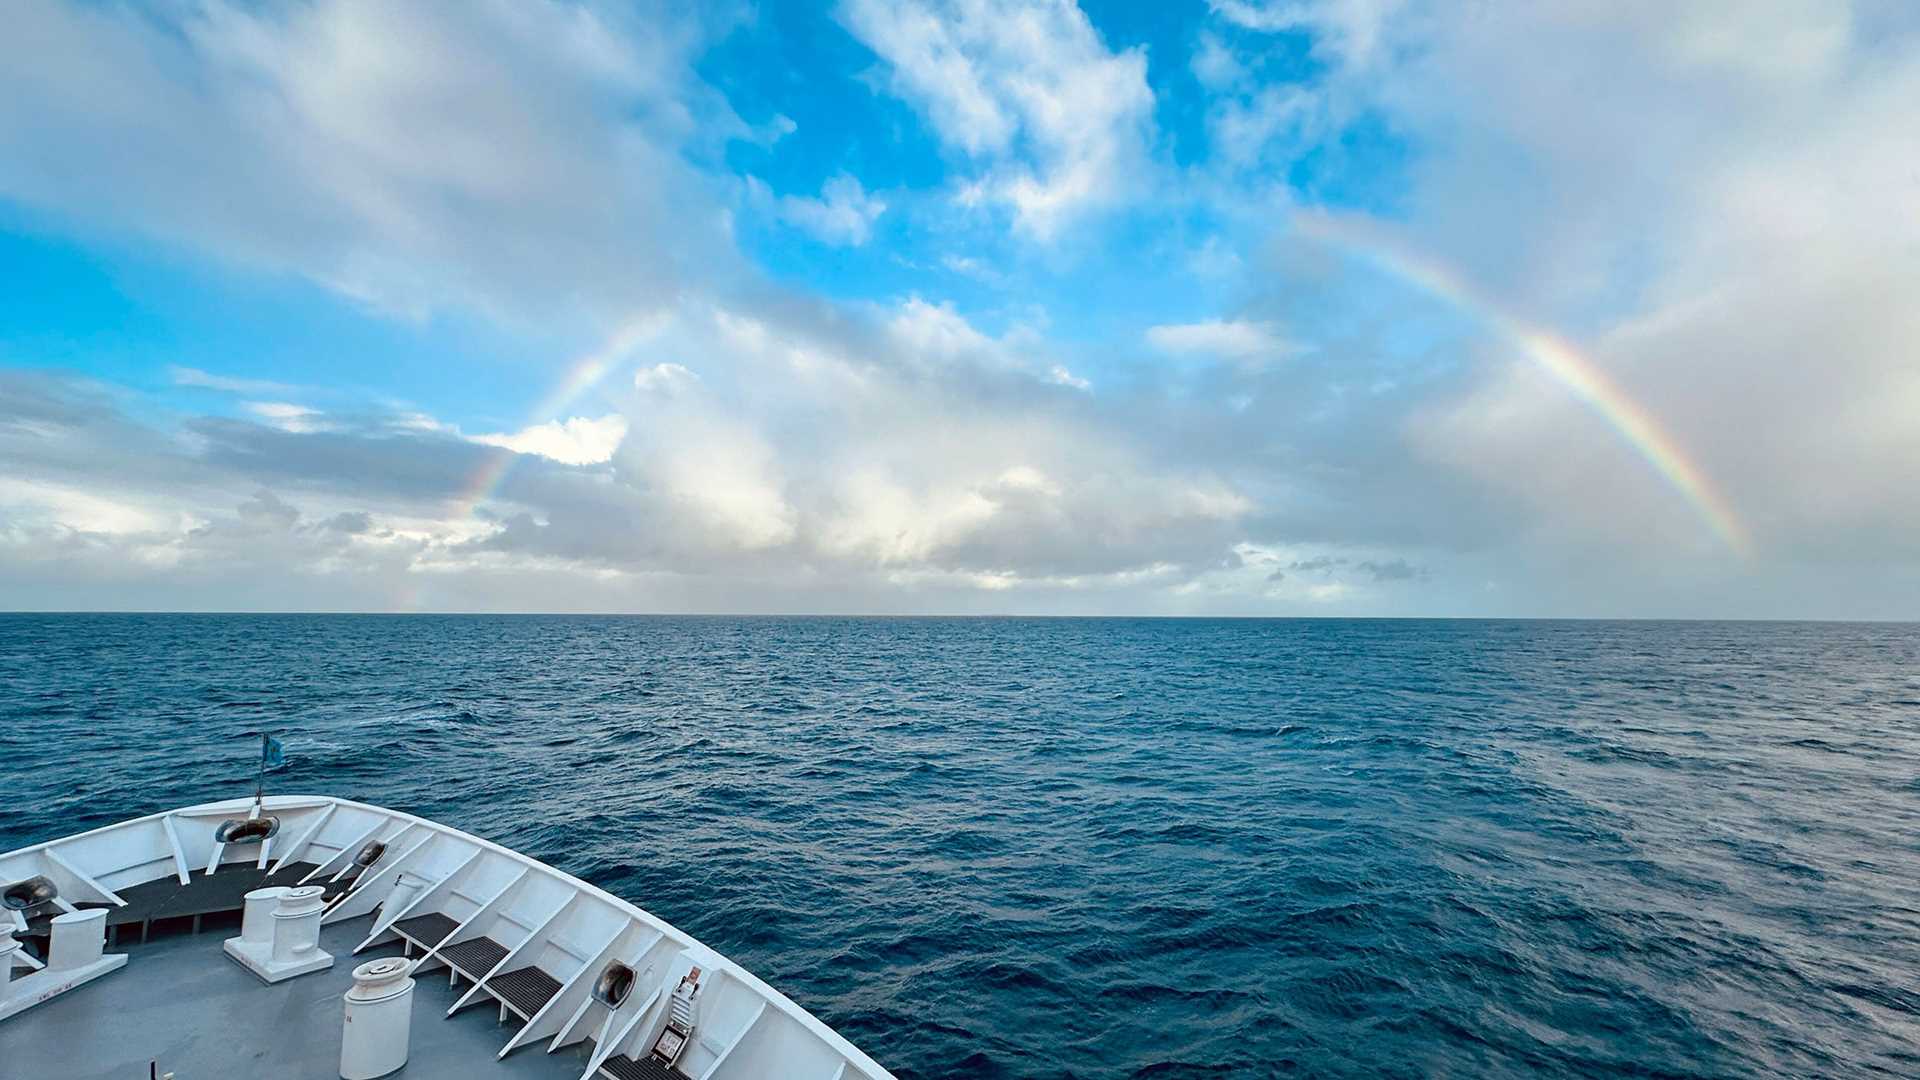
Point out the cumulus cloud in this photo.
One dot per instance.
(933, 331)
(904, 458)
(1727, 235)
(1058, 122)
(577, 440)
(665, 379)
(843, 214)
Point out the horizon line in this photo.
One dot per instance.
(363, 613)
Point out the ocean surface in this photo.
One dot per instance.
(1116, 848)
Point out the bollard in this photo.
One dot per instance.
(280, 933)
(296, 925)
(378, 1030)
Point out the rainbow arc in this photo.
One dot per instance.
(1555, 355)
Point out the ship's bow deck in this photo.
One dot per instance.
(182, 1002)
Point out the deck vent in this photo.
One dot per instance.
(613, 985)
(29, 894)
(370, 853)
(246, 830)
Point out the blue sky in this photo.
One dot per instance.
(978, 305)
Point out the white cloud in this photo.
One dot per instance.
(522, 158)
(1349, 30)
(286, 415)
(187, 376)
(1728, 234)
(1028, 90)
(1060, 375)
(1245, 130)
(1215, 65)
(928, 331)
(78, 509)
(664, 379)
(728, 478)
(1232, 339)
(878, 517)
(578, 440)
(843, 214)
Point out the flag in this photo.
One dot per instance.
(272, 753)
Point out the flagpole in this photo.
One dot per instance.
(260, 779)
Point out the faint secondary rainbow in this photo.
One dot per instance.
(1554, 354)
(580, 376)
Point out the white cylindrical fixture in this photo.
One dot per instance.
(379, 1026)
(8, 947)
(256, 914)
(79, 937)
(296, 923)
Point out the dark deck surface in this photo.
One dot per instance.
(181, 1002)
(474, 956)
(625, 1068)
(429, 930)
(526, 989)
(220, 893)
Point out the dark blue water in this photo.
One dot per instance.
(1114, 848)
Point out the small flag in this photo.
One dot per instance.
(272, 754)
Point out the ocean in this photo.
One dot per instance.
(1108, 848)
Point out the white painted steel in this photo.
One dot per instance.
(79, 939)
(296, 925)
(8, 947)
(377, 1033)
(256, 915)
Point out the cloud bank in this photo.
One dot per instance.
(1218, 413)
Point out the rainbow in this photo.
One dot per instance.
(583, 374)
(1553, 354)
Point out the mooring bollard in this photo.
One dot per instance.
(296, 925)
(379, 1019)
(280, 933)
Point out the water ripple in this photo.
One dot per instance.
(1118, 848)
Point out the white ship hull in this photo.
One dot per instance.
(515, 933)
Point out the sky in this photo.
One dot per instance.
(1595, 308)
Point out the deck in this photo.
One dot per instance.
(526, 941)
(181, 1002)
